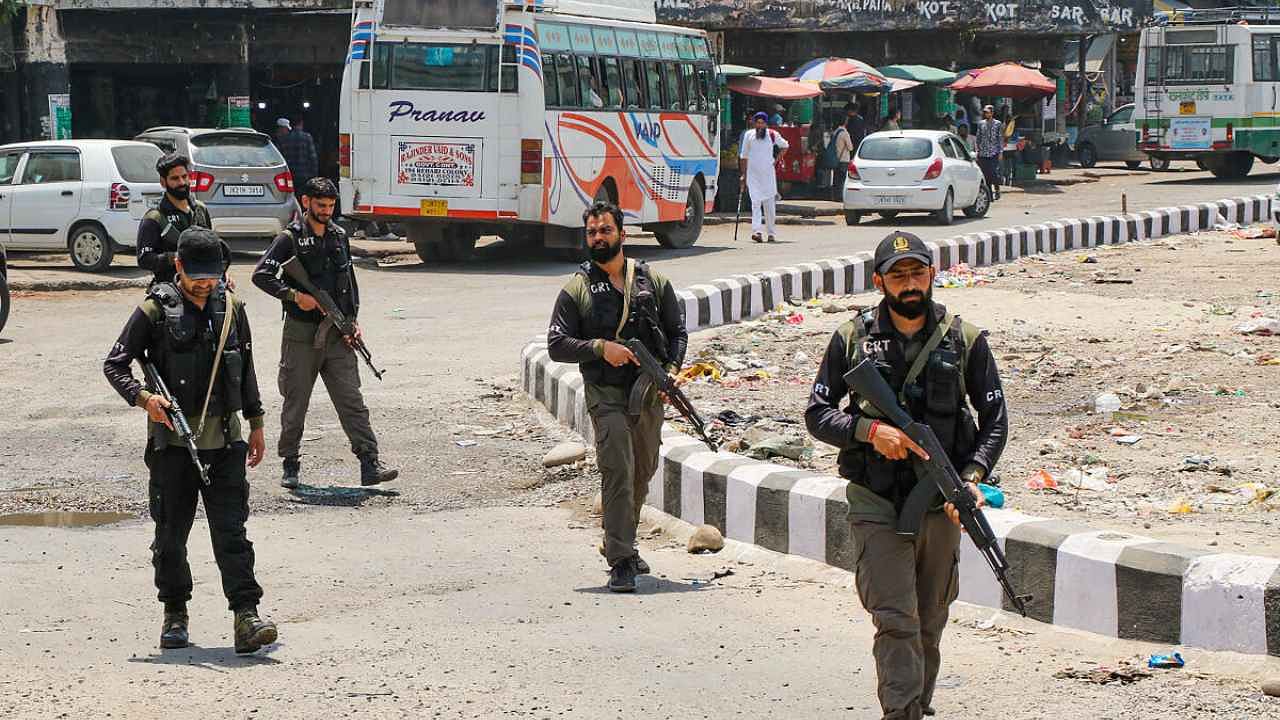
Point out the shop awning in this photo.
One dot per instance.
(1095, 58)
(732, 71)
(1008, 79)
(898, 84)
(918, 73)
(771, 87)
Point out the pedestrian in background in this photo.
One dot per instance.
(990, 142)
(299, 150)
(759, 150)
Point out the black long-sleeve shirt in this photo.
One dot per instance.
(269, 279)
(156, 251)
(569, 340)
(845, 427)
(135, 342)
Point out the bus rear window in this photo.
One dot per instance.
(441, 67)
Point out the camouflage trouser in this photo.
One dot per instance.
(627, 454)
(907, 584)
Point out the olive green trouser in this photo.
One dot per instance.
(627, 455)
(907, 584)
(301, 362)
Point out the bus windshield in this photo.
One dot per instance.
(460, 14)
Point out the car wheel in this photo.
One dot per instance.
(4, 299)
(1088, 155)
(1133, 164)
(1160, 164)
(685, 233)
(852, 217)
(888, 214)
(981, 205)
(91, 250)
(947, 213)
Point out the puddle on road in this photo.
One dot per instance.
(63, 519)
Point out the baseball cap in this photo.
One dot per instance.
(284, 123)
(200, 250)
(900, 246)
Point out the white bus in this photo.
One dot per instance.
(463, 118)
(1209, 89)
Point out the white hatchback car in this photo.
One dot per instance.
(82, 196)
(914, 171)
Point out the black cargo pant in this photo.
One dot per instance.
(175, 485)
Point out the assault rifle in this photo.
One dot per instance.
(345, 325)
(936, 472)
(656, 374)
(176, 416)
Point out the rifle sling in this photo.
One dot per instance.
(227, 313)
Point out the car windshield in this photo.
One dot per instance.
(137, 163)
(228, 150)
(895, 148)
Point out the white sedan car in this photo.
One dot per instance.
(914, 171)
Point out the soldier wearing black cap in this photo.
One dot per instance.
(196, 334)
(160, 227)
(934, 361)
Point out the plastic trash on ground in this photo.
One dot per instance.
(1167, 662)
(994, 495)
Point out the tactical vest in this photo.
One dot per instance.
(935, 396)
(171, 226)
(328, 265)
(183, 347)
(601, 313)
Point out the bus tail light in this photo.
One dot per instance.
(201, 181)
(119, 198)
(284, 182)
(1146, 134)
(531, 162)
(344, 155)
(1231, 134)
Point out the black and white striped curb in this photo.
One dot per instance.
(1114, 584)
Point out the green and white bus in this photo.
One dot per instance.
(1209, 89)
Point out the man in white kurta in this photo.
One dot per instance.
(755, 160)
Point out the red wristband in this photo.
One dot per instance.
(871, 433)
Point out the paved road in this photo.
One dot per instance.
(499, 613)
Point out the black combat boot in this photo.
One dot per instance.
(252, 632)
(622, 576)
(373, 472)
(173, 633)
(292, 468)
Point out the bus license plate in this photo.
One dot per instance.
(243, 190)
(1187, 107)
(434, 208)
(891, 199)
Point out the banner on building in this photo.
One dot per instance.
(1061, 17)
(60, 116)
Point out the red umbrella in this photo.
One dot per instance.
(1008, 79)
(781, 88)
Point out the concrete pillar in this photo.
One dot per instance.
(45, 71)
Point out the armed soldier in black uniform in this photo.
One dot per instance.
(160, 228)
(192, 337)
(934, 361)
(608, 301)
(311, 346)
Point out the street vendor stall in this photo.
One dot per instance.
(1023, 113)
(796, 166)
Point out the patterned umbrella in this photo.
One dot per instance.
(816, 71)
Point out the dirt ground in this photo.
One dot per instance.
(1156, 323)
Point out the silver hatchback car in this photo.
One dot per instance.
(239, 174)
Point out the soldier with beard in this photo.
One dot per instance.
(934, 361)
(609, 300)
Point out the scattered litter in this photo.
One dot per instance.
(1129, 439)
(702, 371)
(1259, 326)
(801, 360)
(1088, 259)
(795, 319)
(1166, 662)
(797, 449)
(1042, 480)
(1106, 403)
(717, 575)
(1094, 479)
(466, 443)
(1125, 673)
(1255, 233)
(1181, 507)
(731, 418)
(993, 495)
(961, 276)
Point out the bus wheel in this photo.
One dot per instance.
(684, 234)
(428, 240)
(1234, 165)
